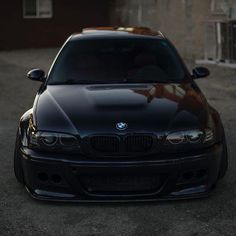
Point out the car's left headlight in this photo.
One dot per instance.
(52, 141)
(189, 139)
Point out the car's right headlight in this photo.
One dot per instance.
(53, 141)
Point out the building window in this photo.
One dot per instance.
(218, 7)
(37, 8)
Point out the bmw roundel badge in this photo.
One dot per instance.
(121, 126)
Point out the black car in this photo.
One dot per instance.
(119, 118)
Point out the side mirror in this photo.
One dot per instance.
(37, 75)
(200, 72)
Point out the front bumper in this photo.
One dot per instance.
(49, 177)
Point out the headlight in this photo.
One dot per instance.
(209, 136)
(52, 141)
(189, 139)
(48, 139)
(193, 136)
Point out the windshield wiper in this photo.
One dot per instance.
(126, 81)
(71, 81)
(148, 81)
(68, 82)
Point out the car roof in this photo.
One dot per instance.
(117, 32)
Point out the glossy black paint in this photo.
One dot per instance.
(200, 72)
(37, 75)
(147, 108)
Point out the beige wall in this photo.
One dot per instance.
(182, 21)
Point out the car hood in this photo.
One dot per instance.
(89, 109)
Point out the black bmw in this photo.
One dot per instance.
(119, 118)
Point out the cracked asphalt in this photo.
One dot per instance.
(21, 215)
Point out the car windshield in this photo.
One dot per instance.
(91, 61)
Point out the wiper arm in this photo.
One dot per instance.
(147, 81)
(155, 81)
(63, 82)
(72, 81)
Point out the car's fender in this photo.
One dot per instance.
(218, 126)
(23, 126)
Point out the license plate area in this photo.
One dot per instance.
(122, 184)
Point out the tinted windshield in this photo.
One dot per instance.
(117, 61)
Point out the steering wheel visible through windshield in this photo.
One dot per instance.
(116, 60)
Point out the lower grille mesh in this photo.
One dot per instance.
(120, 184)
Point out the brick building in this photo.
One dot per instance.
(46, 23)
(200, 29)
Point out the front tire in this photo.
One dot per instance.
(224, 161)
(18, 170)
